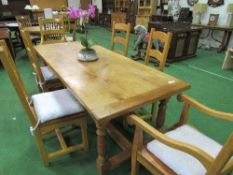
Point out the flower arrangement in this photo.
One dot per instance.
(83, 15)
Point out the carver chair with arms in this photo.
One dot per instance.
(52, 30)
(48, 112)
(120, 27)
(45, 77)
(182, 150)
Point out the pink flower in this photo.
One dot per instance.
(73, 13)
(91, 10)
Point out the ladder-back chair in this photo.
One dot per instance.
(25, 21)
(183, 149)
(52, 30)
(160, 53)
(48, 111)
(120, 27)
(45, 77)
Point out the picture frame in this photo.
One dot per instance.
(213, 19)
(215, 3)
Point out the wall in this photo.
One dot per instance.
(55, 5)
(211, 10)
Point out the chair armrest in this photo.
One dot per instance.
(201, 155)
(218, 114)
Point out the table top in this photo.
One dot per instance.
(10, 24)
(218, 27)
(32, 29)
(111, 86)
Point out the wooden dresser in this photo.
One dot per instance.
(184, 41)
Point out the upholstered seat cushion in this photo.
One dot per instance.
(55, 104)
(48, 74)
(180, 162)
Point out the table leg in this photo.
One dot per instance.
(102, 160)
(225, 41)
(161, 113)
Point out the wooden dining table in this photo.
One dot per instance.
(108, 88)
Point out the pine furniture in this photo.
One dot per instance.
(25, 21)
(159, 54)
(48, 112)
(52, 30)
(183, 149)
(104, 89)
(46, 79)
(146, 8)
(124, 28)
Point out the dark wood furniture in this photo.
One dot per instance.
(185, 39)
(5, 34)
(104, 18)
(225, 39)
(14, 7)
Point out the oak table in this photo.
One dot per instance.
(110, 87)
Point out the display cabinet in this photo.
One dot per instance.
(146, 8)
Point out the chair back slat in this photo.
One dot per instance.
(32, 55)
(15, 78)
(120, 40)
(160, 53)
(23, 21)
(52, 30)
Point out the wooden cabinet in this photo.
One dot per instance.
(105, 20)
(105, 16)
(145, 9)
(184, 40)
(118, 17)
(121, 5)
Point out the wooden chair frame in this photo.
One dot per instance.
(124, 41)
(52, 30)
(221, 165)
(23, 21)
(43, 85)
(161, 56)
(47, 127)
(157, 54)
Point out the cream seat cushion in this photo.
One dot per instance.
(180, 162)
(48, 74)
(55, 104)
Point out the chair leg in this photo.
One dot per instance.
(154, 111)
(42, 150)
(134, 165)
(83, 126)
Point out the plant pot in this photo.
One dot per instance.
(87, 55)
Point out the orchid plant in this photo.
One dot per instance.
(83, 15)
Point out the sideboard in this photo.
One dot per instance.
(184, 41)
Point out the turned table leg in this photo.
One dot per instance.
(161, 113)
(102, 160)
